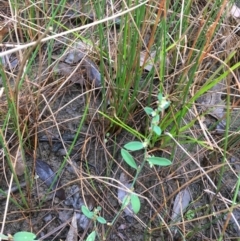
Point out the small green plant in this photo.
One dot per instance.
(190, 214)
(20, 236)
(94, 215)
(154, 130)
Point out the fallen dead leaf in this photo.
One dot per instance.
(73, 231)
(17, 160)
(180, 204)
(47, 175)
(122, 193)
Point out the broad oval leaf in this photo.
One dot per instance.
(101, 220)
(159, 161)
(134, 146)
(24, 236)
(148, 110)
(91, 236)
(136, 204)
(157, 130)
(128, 158)
(3, 237)
(87, 212)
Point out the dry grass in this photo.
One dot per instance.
(201, 50)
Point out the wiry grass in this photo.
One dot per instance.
(181, 49)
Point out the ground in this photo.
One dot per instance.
(66, 136)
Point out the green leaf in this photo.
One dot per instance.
(101, 220)
(163, 104)
(159, 161)
(24, 236)
(134, 146)
(136, 204)
(160, 97)
(87, 212)
(148, 110)
(91, 236)
(157, 130)
(155, 120)
(190, 214)
(4, 237)
(166, 104)
(128, 158)
(125, 201)
(99, 208)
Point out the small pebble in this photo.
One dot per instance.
(62, 152)
(47, 218)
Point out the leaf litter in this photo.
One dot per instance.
(86, 68)
(122, 194)
(181, 202)
(47, 175)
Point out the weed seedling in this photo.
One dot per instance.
(20, 236)
(154, 130)
(94, 216)
(132, 198)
